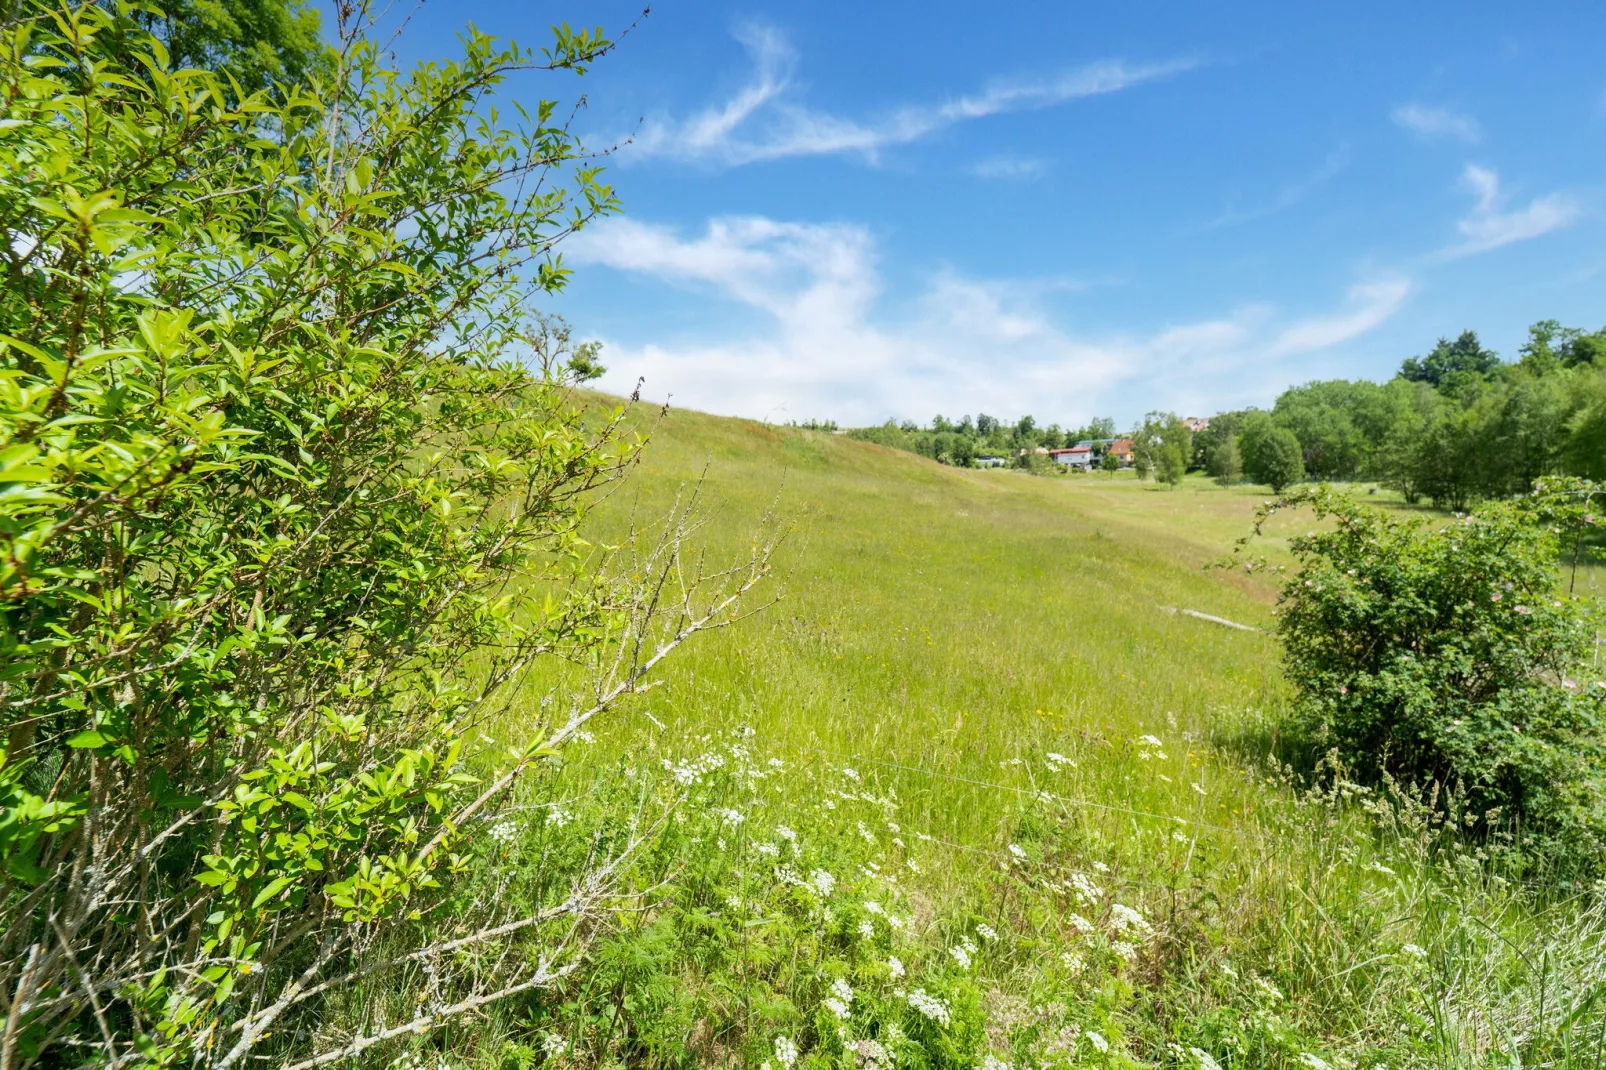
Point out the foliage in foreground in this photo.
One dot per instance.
(1447, 653)
(790, 914)
(284, 522)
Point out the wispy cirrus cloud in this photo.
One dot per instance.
(764, 120)
(1285, 198)
(1431, 122)
(1488, 226)
(1010, 168)
(1370, 304)
(831, 345)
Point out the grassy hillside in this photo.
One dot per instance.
(957, 619)
(977, 703)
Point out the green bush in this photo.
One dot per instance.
(1445, 652)
(285, 522)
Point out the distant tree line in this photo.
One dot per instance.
(966, 441)
(1452, 427)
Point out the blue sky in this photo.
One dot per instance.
(856, 211)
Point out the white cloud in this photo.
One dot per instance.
(1434, 122)
(1488, 227)
(763, 121)
(1010, 168)
(828, 347)
(1372, 303)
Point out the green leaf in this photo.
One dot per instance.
(87, 740)
(274, 887)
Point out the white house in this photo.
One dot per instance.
(1077, 456)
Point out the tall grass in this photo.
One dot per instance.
(971, 705)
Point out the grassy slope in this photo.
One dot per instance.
(957, 619)
(942, 630)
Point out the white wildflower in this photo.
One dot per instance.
(785, 1052)
(895, 967)
(1126, 920)
(1150, 741)
(1315, 1062)
(838, 1008)
(822, 882)
(557, 817)
(1205, 1060)
(1079, 924)
(730, 817)
(1126, 951)
(851, 774)
(1097, 1040)
(505, 832)
(1269, 989)
(930, 1006)
(872, 907)
(786, 834)
(1415, 951)
(554, 1046)
(842, 990)
(986, 932)
(1017, 850)
(993, 1062)
(913, 868)
(767, 849)
(1085, 889)
(1072, 961)
(961, 956)
(864, 831)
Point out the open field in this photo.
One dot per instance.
(957, 685)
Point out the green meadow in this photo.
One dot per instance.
(980, 694)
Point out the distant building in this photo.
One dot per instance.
(1196, 423)
(990, 462)
(1122, 448)
(1078, 456)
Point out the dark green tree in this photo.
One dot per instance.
(1451, 360)
(1278, 463)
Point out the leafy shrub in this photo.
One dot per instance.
(285, 518)
(1446, 652)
